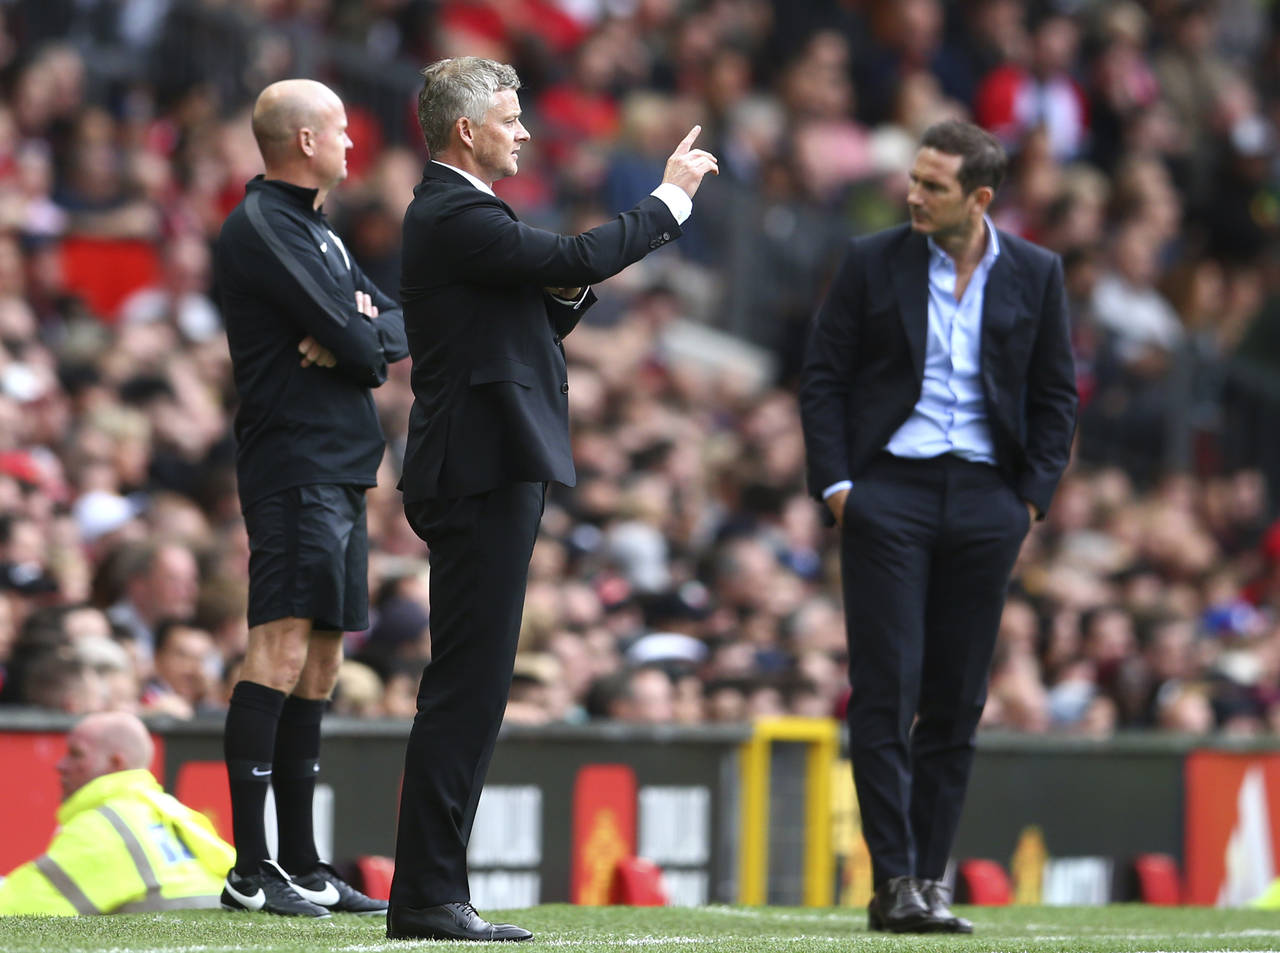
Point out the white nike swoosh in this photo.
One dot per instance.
(325, 898)
(260, 774)
(254, 901)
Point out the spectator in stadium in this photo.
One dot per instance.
(185, 665)
(309, 445)
(160, 581)
(488, 432)
(101, 411)
(938, 415)
(122, 845)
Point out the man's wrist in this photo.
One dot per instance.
(836, 487)
(676, 199)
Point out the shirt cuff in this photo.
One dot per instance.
(835, 488)
(676, 199)
(574, 303)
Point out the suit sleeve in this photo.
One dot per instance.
(824, 380)
(486, 245)
(297, 282)
(1051, 397)
(565, 317)
(389, 324)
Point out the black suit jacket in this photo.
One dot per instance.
(864, 369)
(491, 402)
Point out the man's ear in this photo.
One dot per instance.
(983, 195)
(465, 130)
(307, 141)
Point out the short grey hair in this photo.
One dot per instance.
(457, 87)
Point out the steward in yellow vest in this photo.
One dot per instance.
(122, 845)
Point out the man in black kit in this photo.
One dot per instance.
(310, 336)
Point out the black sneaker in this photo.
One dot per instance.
(267, 891)
(323, 886)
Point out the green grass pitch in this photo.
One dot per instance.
(1112, 929)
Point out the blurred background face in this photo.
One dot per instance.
(182, 663)
(652, 698)
(85, 760)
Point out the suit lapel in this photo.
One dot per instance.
(911, 285)
(434, 170)
(999, 305)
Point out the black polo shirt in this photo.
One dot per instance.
(283, 274)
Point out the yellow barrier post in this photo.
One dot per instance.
(822, 736)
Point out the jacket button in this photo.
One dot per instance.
(556, 340)
(666, 236)
(564, 388)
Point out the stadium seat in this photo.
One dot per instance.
(637, 883)
(374, 873)
(105, 271)
(1158, 880)
(983, 882)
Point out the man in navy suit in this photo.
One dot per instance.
(938, 404)
(487, 301)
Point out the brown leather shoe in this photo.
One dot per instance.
(898, 907)
(448, 921)
(938, 898)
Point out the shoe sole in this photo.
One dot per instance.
(913, 926)
(458, 939)
(274, 913)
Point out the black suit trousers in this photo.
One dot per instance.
(480, 550)
(927, 547)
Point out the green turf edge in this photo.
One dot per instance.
(1120, 928)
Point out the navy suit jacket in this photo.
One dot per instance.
(864, 367)
(491, 403)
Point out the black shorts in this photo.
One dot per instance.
(309, 557)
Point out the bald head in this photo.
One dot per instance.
(286, 108)
(123, 736)
(104, 743)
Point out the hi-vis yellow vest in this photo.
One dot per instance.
(123, 846)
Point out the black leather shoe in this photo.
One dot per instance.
(449, 921)
(938, 899)
(898, 907)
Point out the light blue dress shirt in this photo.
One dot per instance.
(951, 415)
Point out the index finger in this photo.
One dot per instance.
(687, 141)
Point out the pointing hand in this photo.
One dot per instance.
(688, 165)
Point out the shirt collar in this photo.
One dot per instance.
(468, 176)
(105, 787)
(294, 194)
(993, 244)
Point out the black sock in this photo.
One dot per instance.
(249, 746)
(294, 781)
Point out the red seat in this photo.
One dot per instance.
(375, 875)
(105, 271)
(1159, 882)
(983, 882)
(637, 883)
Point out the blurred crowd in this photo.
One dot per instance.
(686, 578)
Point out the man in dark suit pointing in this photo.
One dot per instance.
(938, 404)
(487, 301)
